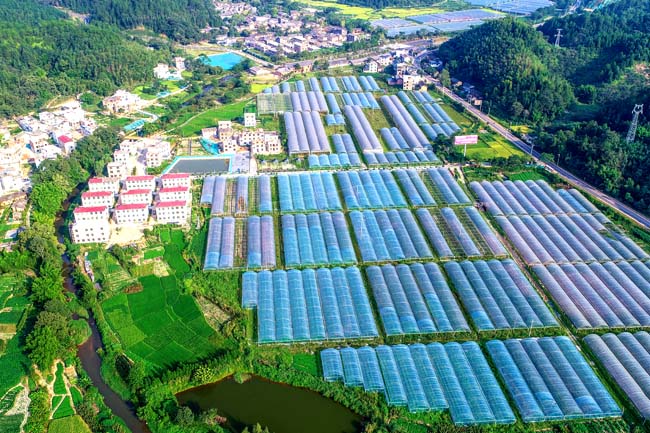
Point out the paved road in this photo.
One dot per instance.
(634, 215)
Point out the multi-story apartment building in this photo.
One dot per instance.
(97, 198)
(136, 213)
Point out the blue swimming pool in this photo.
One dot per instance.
(225, 61)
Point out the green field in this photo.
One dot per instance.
(108, 272)
(159, 325)
(210, 118)
(367, 13)
(13, 303)
(490, 146)
(70, 424)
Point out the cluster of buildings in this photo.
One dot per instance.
(123, 102)
(232, 140)
(53, 133)
(228, 10)
(402, 63)
(319, 38)
(113, 202)
(163, 71)
(135, 155)
(288, 33)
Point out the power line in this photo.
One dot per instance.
(631, 133)
(558, 35)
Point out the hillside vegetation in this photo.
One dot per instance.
(511, 63)
(602, 61)
(180, 20)
(44, 56)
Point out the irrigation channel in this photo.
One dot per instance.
(280, 407)
(87, 352)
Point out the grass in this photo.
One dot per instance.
(159, 326)
(70, 424)
(11, 423)
(65, 408)
(153, 253)
(372, 14)
(210, 117)
(59, 383)
(489, 146)
(306, 362)
(13, 362)
(109, 273)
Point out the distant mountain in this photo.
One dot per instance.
(179, 20)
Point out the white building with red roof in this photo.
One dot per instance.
(140, 182)
(111, 184)
(172, 212)
(171, 180)
(97, 198)
(90, 213)
(87, 232)
(174, 193)
(136, 213)
(132, 196)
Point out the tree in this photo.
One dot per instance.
(445, 78)
(43, 347)
(185, 416)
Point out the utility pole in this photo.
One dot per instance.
(558, 35)
(631, 133)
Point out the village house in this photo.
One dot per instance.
(140, 182)
(133, 196)
(90, 213)
(90, 232)
(97, 198)
(111, 184)
(172, 212)
(174, 193)
(171, 180)
(115, 169)
(134, 213)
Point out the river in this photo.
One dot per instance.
(87, 352)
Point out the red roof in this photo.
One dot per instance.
(88, 209)
(64, 139)
(175, 203)
(137, 191)
(130, 206)
(175, 176)
(96, 194)
(96, 180)
(138, 178)
(173, 189)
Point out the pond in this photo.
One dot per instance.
(201, 165)
(281, 408)
(225, 61)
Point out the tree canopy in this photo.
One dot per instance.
(512, 64)
(180, 20)
(44, 56)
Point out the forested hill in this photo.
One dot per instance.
(600, 45)
(511, 63)
(604, 59)
(180, 20)
(44, 55)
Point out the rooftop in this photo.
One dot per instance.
(139, 178)
(175, 176)
(137, 191)
(173, 189)
(121, 207)
(89, 209)
(175, 203)
(96, 194)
